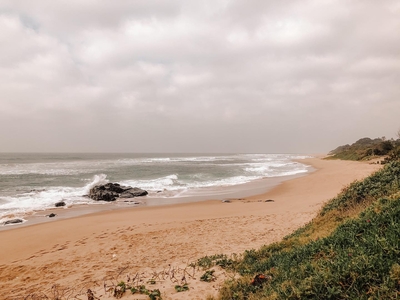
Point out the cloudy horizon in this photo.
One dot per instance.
(182, 76)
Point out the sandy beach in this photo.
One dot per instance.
(89, 251)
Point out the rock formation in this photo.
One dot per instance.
(112, 191)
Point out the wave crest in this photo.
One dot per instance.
(97, 180)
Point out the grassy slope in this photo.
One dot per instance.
(351, 250)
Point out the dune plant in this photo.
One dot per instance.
(181, 288)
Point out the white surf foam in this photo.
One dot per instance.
(45, 198)
(167, 182)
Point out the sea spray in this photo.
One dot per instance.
(97, 180)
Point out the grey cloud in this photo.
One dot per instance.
(229, 76)
(66, 18)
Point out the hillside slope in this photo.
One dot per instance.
(351, 250)
(366, 148)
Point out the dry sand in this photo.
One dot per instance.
(88, 251)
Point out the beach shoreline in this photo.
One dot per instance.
(222, 193)
(32, 184)
(86, 250)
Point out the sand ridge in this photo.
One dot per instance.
(160, 242)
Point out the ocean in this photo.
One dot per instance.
(32, 182)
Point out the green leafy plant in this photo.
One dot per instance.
(153, 294)
(181, 288)
(221, 260)
(208, 276)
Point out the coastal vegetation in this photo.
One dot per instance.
(351, 250)
(367, 148)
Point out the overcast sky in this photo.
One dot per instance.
(197, 76)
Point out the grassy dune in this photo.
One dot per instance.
(351, 250)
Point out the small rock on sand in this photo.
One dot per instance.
(13, 221)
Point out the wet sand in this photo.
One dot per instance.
(87, 251)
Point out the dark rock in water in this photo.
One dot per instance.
(102, 195)
(269, 200)
(133, 192)
(60, 203)
(126, 187)
(111, 191)
(113, 187)
(13, 221)
(52, 215)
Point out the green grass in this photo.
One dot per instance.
(383, 183)
(351, 250)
